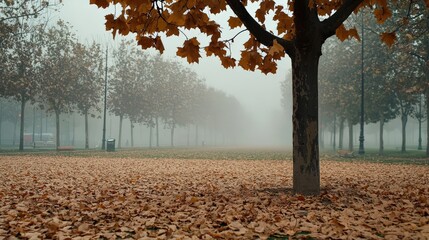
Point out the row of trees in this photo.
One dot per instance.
(149, 89)
(396, 77)
(45, 64)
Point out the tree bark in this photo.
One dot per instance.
(306, 169)
(120, 130)
(381, 148)
(350, 135)
(57, 126)
(86, 131)
(341, 133)
(21, 129)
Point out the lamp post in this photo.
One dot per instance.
(103, 144)
(361, 135)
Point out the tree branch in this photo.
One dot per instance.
(330, 25)
(262, 35)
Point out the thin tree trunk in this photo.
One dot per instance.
(350, 135)
(335, 134)
(120, 130)
(341, 133)
(33, 138)
(157, 132)
(74, 130)
(21, 129)
(172, 135)
(1, 120)
(427, 123)
(57, 125)
(381, 148)
(404, 119)
(420, 147)
(41, 125)
(306, 169)
(132, 133)
(86, 131)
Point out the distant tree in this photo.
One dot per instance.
(130, 75)
(59, 72)
(88, 87)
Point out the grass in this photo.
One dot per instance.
(371, 155)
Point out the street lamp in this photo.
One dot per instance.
(361, 137)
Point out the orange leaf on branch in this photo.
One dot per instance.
(234, 22)
(100, 3)
(190, 50)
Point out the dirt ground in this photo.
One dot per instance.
(96, 198)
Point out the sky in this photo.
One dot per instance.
(259, 94)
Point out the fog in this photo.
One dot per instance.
(259, 94)
(265, 123)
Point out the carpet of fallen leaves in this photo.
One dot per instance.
(97, 198)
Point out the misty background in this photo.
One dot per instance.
(267, 121)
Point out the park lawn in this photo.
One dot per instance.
(98, 197)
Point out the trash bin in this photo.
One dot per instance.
(110, 145)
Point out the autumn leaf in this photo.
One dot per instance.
(234, 22)
(388, 38)
(275, 48)
(190, 50)
(342, 33)
(100, 3)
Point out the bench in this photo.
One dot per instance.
(346, 154)
(65, 148)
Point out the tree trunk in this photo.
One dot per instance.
(404, 119)
(341, 133)
(157, 132)
(427, 123)
(14, 133)
(172, 135)
(57, 125)
(420, 147)
(350, 135)
(381, 148)
(1, 120)
(21, 129)
(86, 131)
(306, 169)
(41, 125)
(120, 130)
(335, 134)
(132, 133)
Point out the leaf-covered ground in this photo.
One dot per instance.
(53, 197)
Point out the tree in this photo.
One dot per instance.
(301, 34)
(59, 73)
(88, 62)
